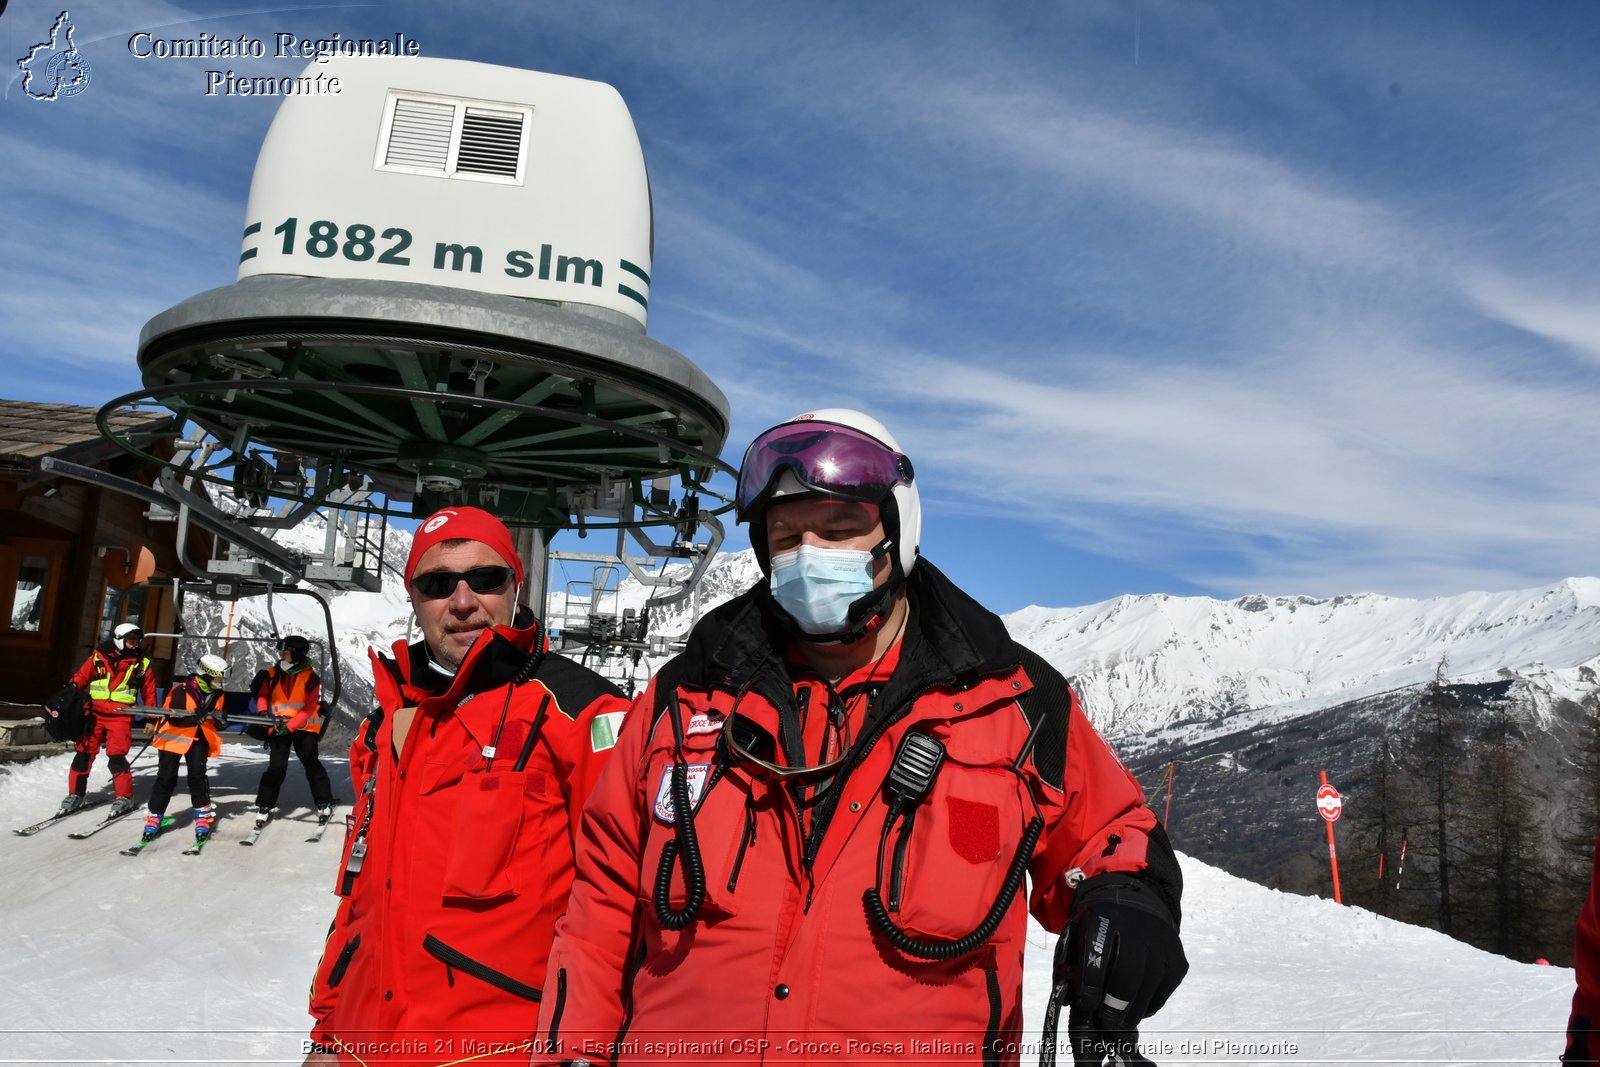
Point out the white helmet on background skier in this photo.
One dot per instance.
(212, 669)
(126, 631)
(845, 454)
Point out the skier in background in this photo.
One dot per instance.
(291, 693)
(187, 734)
(117, 675)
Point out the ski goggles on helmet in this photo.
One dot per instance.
(826, 457)
(438, 584)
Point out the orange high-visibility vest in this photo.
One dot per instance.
(287, 695)
(170, 737)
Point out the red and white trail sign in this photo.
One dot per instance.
(1329, 803)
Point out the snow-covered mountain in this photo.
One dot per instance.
(1146, 662)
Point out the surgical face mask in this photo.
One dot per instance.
(817, 585)
(285, 662)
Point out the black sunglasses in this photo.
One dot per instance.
(437, 584)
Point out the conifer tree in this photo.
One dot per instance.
(1438, 762)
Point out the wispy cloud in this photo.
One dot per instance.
(1547, 308)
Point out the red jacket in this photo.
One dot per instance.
(439, 946)
(129, 675)
(1582, 1046)
(782, 963)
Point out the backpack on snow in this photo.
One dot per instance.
(66, 714)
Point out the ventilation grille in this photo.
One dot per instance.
(419, 136)
(491, 142)
(453, 138)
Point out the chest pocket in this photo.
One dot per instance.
(481, 814)
(725, 826)
(945, 867)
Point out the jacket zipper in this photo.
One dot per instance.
(748, 839)
(454, 959)
(822, 819)
(629, 973)
(342, 964)
(898, 868)
(991, 1033)
(561, 1006)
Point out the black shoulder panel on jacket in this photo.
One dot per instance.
(573, 684)
(666, 681)
(1050, 698)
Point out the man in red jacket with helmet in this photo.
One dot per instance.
(811, 842)
(469, 780)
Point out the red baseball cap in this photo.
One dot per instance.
(463, 524)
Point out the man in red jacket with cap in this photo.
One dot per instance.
(469, 778)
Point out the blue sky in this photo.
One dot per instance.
(1178, 297)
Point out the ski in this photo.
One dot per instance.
(194, 849)
(79, 835)
(29, 831)
(322, 828)
(255, 835)
(144, 842)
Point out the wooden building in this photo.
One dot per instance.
(77, 558)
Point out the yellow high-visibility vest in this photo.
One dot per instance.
(125, 689)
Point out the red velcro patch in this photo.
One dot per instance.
(974, 830)
(534, 784)
(487, 782)
(511, 738)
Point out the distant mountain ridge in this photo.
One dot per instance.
(1144, 663)
(1149, 662)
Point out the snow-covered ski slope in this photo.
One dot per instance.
(206, 959)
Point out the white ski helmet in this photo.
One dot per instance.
(836, 452)
(127, 630)
(213, 665)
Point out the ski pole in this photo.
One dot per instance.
(1400, 868)
(136, 756)
(1166, 816)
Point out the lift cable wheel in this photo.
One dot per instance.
(544, 488)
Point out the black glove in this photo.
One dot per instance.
(1123, 960)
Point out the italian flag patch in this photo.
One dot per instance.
(603, 730)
